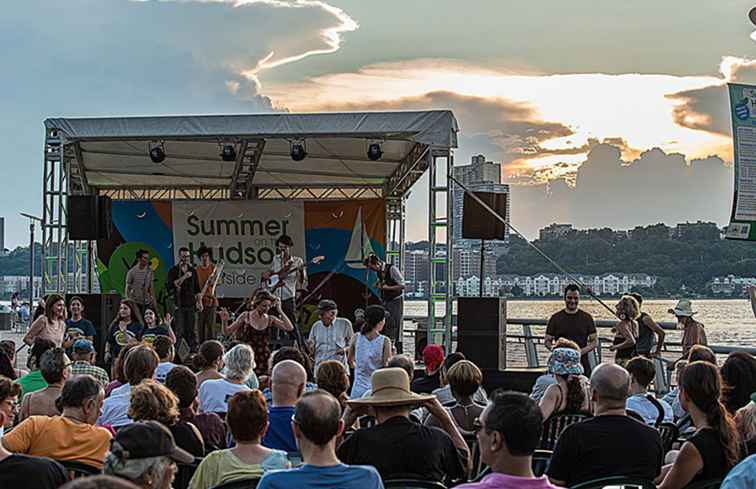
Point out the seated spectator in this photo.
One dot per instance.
(443, 393)
(165, 352)
(653, 411)
(183, 383)
(702, 353)
(672, 397)
(247, 419)
(118, 375)
(433, 358)
(99, 482)
(288, 353)
(571, 393)
(83, 356)
(713, 450)
(544, 381)
(287, 385)
(378, 445)
(145, 453)
(19, 470)
(333, 378)
(610, 443)
(209, 361)
(140, 364)
(508, 434)
(745, 422)
(214, 394)
(742, 476)
(465, 379)
(33, 381)
(9, 347)
(739, 376)
(317, 425)
(55, 371)
(152, 401)
(72, 436)
(6, 366)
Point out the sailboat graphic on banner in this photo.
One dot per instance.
(359, 244)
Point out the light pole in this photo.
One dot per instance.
(31, 258)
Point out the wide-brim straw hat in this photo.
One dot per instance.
(683, 308)
(390, 387)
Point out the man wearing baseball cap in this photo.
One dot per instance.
(330, 336)
(145, 453)
(83, 357)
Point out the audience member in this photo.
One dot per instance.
(125, 329)
(443, 393)
(83, 356)
(745, 422)
(9, 347)
(713, 450)
(330, 336)
(55, 371)
(739, 376)
(508, 433)
(287, 385)
(626, 330)
(317, 425)
(151, 400)
(398, 447)
(653, 411)
(183, 383)
(33, 381)
(78, 327)
(610, 443)
(701, 353)
(333, 378)
(99, 482)
(51, 325)
(72, 436)
(117, 372)
(693, 331)
(6, 366)
(145, 454)
(288, 353)
(649, 333)
(153, 328)
(433, 359)
(19, 470)
(140, 364)
(164, 348)
(209, 361)
(742, 476)
(574, 324)
(214, 393)
(247, 419)
(369, 349)
(465, 379)
(545, 380)
(673, 396)
(571, 393)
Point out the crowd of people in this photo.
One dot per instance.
(345, 410)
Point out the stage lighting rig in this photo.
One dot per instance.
(298, 150)
(374, 152)
(228, 152)
(157, 152)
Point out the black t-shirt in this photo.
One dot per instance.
(576, 327)
(606, 446)
(26, 471)
(401, 449)
(427, 383)
(149, 334)
(712, 453)
(81, 328)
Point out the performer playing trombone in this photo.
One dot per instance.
(183, 284)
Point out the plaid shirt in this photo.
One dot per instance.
(86, 368)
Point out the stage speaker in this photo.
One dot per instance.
(477, 222)
(100, 309)
(89, 217)
(482, 331)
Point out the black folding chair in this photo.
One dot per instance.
(540, 462)
(669, 433)
(75, 469)
(184, 474)
(245, 483)
(707, 484)
(615, 483)
(412, 484)
(555, 425)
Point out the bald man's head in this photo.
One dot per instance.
(287, 382)
(318, 416)
(611, 384)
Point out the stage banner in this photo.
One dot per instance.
(743, 114)
(242, 233)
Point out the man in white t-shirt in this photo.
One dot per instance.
(330, 336)
(165, 351)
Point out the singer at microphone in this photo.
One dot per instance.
(287, 275)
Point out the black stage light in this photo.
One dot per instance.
(228, 153)
(374, 152)
(298, 152)
(157, 154)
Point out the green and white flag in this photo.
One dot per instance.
(743, 114)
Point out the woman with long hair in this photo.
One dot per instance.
(369, 350)
(253, 326)
(126, 329)
(52, 324)
(571, 393)
(116, 372)
(714, 448)
(626, 331)
(739, 376)
(209, 361)
(154, 327)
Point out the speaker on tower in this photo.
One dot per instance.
(477, 222)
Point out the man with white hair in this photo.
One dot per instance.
(330, 336)
(287, 384)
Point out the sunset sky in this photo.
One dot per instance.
(603, 113)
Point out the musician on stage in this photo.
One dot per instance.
(139, 282)
(288, 274)
(206, 272)
(391, 286)
(183, 283)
